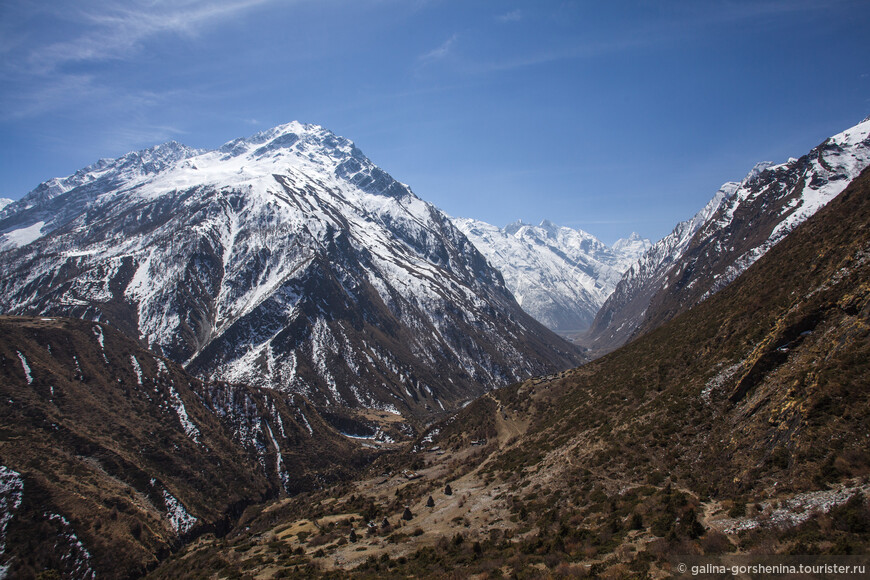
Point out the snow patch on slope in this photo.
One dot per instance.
(21, 236)
(75, 555)
(11, 493)
(137, 369)
(26, 366)
(791, 512)
(98, 332)
(189, 427)
(180, 520)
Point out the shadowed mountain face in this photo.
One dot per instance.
(738, 427)
(110, 456)
(738, 226)
(285, 260)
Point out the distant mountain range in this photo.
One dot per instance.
(603, 297)
(559, 275)
(286, 260)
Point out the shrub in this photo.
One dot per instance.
(662, 525)
(853, 516)
(738, 509)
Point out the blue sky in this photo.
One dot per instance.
(607, 116)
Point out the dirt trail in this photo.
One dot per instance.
(507, 425)
(475, 506)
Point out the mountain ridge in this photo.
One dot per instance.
(112, 457)
(738, 225)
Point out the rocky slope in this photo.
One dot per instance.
(286, 260)
(738, 226)
(559, 275)
(111, 456)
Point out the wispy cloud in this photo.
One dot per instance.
(34, 100)
(441, 52)
(36, 97)
(582, 50)
(512, 16)
(110, 32)
(65, 74)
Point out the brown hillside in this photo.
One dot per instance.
(115, 450)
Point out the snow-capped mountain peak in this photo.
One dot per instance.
(630, 249)
(757, 170)
(285, 259)
(514, 227)
(302, 138)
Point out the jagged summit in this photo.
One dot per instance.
(514, 227)
(303, 143)
(630, 249)
(756, 170)
(301, 138)
(551, 228)
(53, 203)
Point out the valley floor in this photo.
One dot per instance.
(496, 524)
